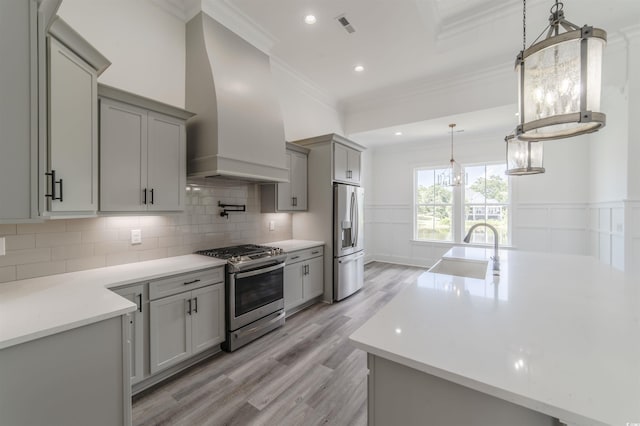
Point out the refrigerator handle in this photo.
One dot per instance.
(356, 214)
(352, 216)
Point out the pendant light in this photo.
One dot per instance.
(523, 157)
(454, 177)
(559, 80)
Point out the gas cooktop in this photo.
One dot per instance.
(246, 255)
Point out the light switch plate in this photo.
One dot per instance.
(272, 225)
(2, 247)
(136, 236)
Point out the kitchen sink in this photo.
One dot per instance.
(461, 268)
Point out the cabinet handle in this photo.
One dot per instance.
(140, 302)
(192, 282)
(295, 257)
(195, 302)
(151, 195)
(145, 195)
(315, 252)
(53, 186)
(294, 201)
(189, 302)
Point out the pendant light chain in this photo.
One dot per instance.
(524, 25)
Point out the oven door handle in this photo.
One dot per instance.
(259, 271)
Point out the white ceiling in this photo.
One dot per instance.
(400, 41)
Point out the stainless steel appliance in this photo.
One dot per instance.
(254, 291)
(348, 240)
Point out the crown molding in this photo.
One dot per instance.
(308, 87)
(232, 17)
(481, 16)
(431, 85)
(175, 8)
(225, 12)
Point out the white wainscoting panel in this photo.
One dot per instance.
(551, 227)
(607, 240)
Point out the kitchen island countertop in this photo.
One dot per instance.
(559, 334)
(39, 307)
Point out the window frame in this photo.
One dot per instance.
(458, 206)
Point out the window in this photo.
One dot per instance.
(486, 200)
(444, 213)
(434, 206)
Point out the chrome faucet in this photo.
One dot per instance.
(495, 257)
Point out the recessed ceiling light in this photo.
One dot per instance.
(398, 133)
(310, 19)
(358, 68)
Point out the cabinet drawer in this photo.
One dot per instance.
(185, 282)
(301, 255)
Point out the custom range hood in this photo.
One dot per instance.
(238, 131)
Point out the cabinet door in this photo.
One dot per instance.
(135, 295)
(292, 285)
(340, 165)
(298, 177)
(314, 279)
(170, 330)
(18, 110)
(284, 195)
(353, 162)
(123, 156)
(73, 127)
(166, 163)
(208, 317)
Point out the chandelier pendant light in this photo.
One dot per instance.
(523, 157)
(559, 80)
(454, 177)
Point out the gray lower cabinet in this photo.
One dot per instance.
(303, 277)
(76, 377)
(137, 295)
(142, 153)
(185, 324)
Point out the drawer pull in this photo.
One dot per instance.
(315, 252)
(192, 282)
(295, 257)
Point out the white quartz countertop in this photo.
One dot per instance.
(559, 334)
(293, 245)
(39, 307)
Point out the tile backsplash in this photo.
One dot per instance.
(67, 245)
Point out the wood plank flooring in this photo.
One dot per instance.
(305, 373)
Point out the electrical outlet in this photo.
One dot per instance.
(2, 247)
(136, 236)
(272, 225)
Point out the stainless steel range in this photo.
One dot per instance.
(254, 291)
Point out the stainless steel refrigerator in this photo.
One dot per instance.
(348, 240)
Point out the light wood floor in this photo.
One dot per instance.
(305, 373)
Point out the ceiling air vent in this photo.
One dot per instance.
(345, 24)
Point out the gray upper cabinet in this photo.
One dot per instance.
(142, 153)
(292, 195)
(346, 164)
(48, 114)
(69, 128)
(18, 111)
(73, 143)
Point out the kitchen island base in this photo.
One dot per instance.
(400, 395)
(76, 377)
